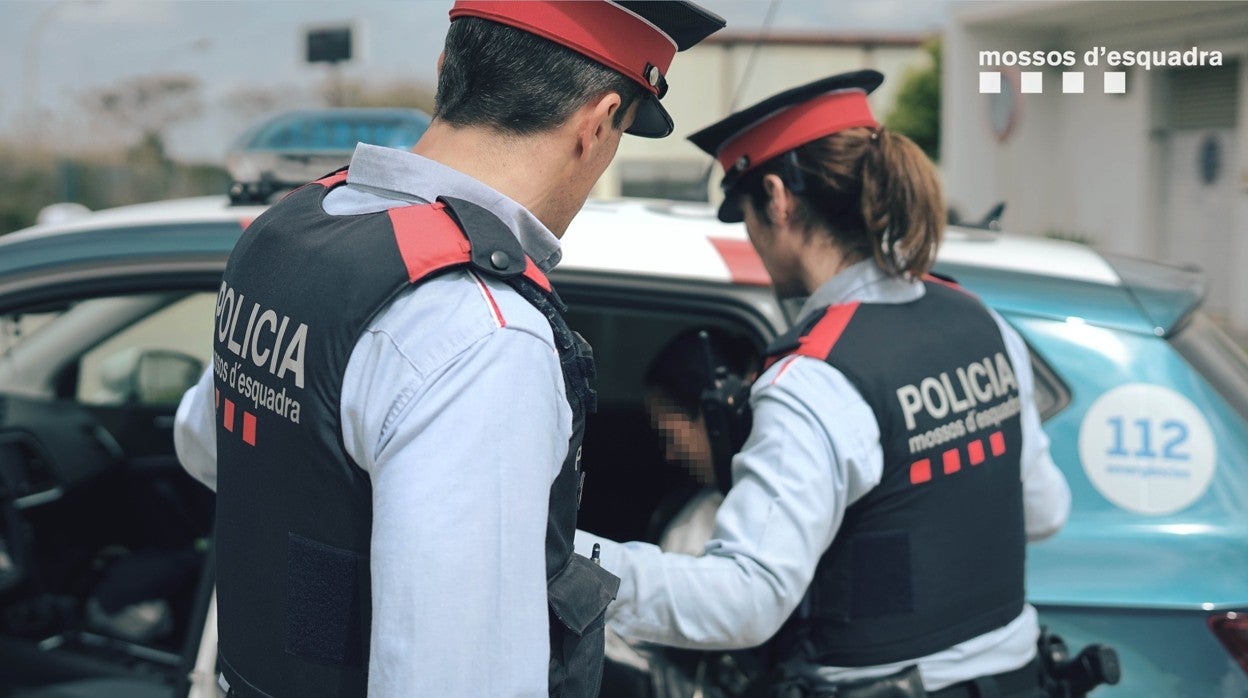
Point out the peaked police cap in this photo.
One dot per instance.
(635, 38)
(749, 138)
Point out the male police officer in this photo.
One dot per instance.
(394, 416)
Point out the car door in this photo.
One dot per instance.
(118, 577)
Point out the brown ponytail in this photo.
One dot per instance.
(875, 192)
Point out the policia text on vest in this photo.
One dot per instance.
(268, 343)
(977, 384)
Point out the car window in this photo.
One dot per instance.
(1051, 394)
(15, 328)
(150, 361)
(1217, 357)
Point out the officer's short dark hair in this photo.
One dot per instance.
(519, 83)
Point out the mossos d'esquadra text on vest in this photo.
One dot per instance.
(987, 380)
(264, 341)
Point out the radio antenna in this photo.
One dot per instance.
(763, 32)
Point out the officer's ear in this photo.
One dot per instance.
(441, 58)
(595, 124)
(780, 201)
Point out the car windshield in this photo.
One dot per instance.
(1218, 358)
(339, 132)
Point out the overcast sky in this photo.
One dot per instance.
(54, 51)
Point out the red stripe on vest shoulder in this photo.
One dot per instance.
(532, 273)
(947, 283)
(824, 335)
(429, 240)
(330, 181)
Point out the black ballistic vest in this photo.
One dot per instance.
(933, 555)
(294, 513)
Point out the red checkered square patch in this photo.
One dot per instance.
(975, 452)
(249, 428)
(952, 461)
(997, 442)
(920, 471)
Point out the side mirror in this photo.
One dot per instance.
(161, 377)
(150, 377)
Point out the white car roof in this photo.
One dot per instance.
(680, 239)
(660, 238)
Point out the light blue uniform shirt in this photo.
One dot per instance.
(453, 403)
(813, 451)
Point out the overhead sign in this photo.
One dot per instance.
(329, 44)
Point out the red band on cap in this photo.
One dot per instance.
(797, 125)
(602, 31)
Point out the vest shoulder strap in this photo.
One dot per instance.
(816, 336)
(451, 233)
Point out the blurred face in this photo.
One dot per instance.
(684, 438)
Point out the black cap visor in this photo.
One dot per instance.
(686, 24)
(652, 120)
(730, 210)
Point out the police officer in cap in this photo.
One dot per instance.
(896, 467)
(393, 421)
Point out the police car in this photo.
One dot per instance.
(105, 551)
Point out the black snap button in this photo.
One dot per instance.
(500, 260)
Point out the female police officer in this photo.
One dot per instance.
(896, 466)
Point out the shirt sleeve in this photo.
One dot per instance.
(195, 431)
(1046, 496)
(814, 450)
(461, 472)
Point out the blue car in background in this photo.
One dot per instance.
(294, 147)
(105, 544)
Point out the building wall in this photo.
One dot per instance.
(1095, 166)
(704, 83)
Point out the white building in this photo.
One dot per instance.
(1155, 171)
(716, 77)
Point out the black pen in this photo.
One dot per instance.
(596, 555)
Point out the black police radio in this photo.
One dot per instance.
(725, 407)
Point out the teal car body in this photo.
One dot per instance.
(1145, 402)
(1150, 582)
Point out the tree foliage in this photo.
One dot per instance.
(916, 112)
(38, 177)
(145, 106)
(393, 94)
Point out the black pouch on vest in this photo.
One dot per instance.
(578, 595)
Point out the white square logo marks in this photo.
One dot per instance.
(990, 83)
(1032, 82)
(1115, 83)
